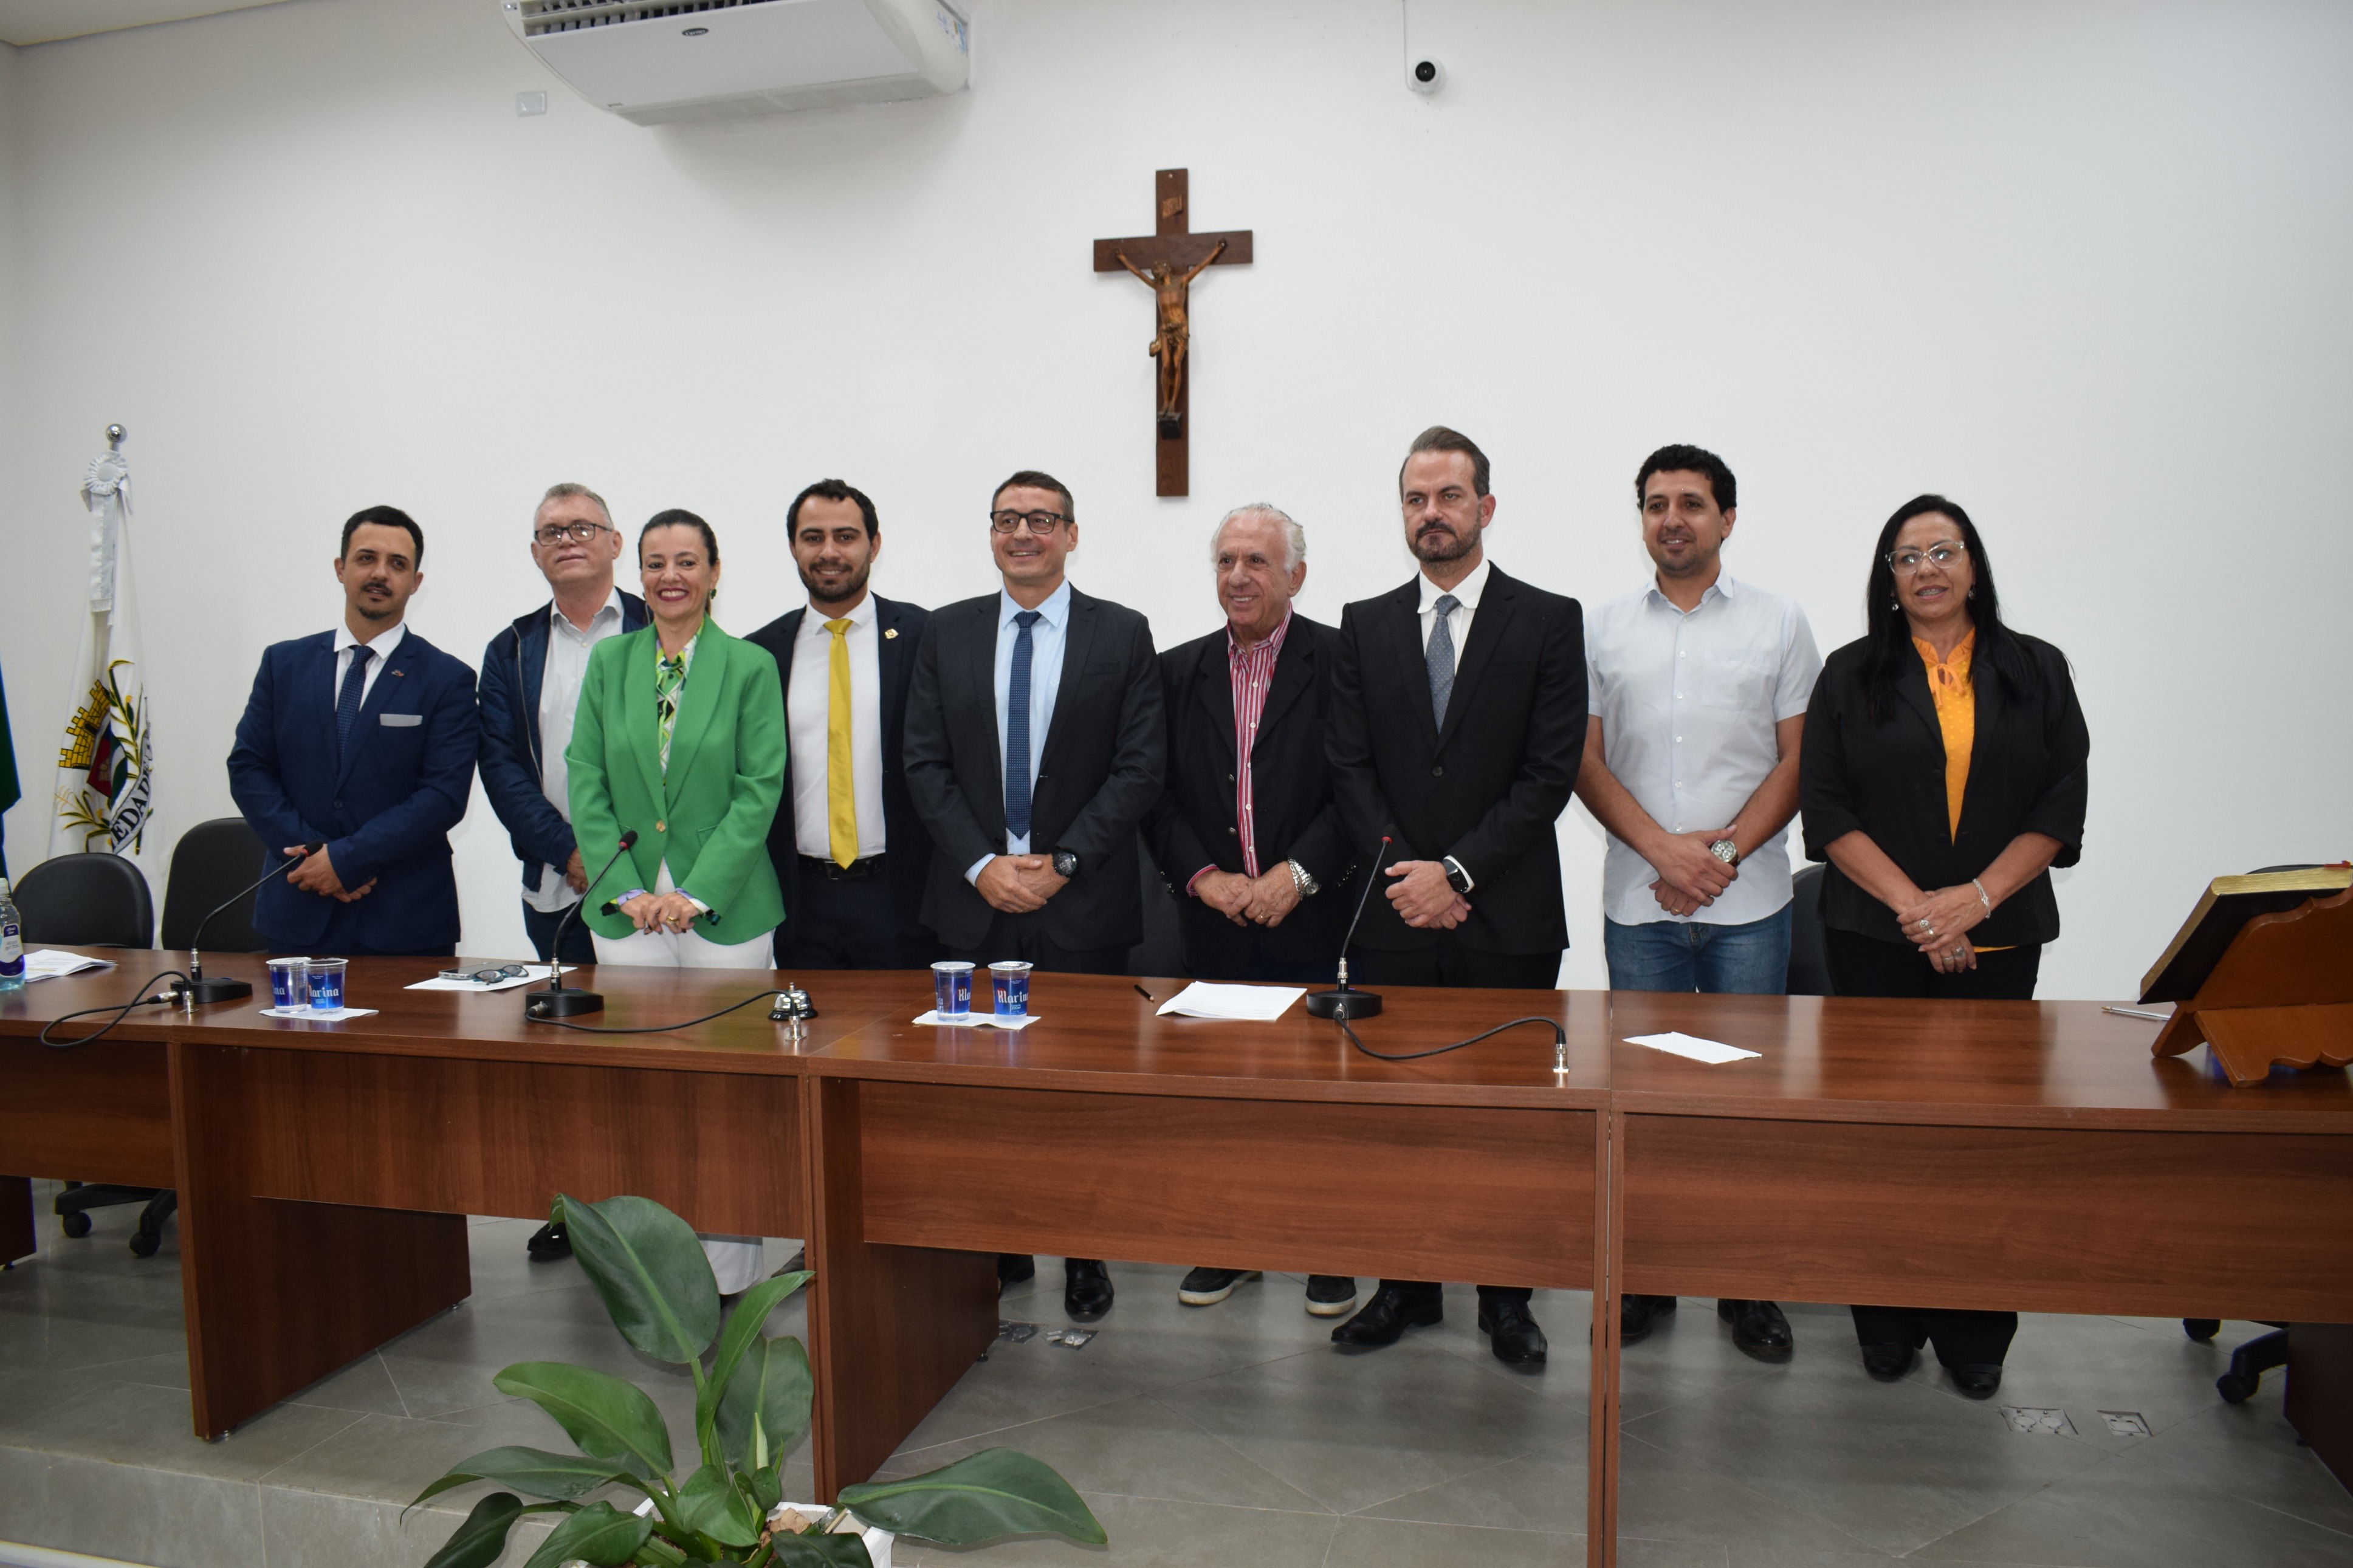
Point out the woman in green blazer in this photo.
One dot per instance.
(681, 735)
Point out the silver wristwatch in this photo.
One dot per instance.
(1726, 850)
(1308, 886)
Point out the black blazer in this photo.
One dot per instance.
(1485, 790)
(907, 848)
(2027, 774)
(1291, 785)
(1098, 773)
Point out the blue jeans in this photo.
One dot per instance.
(1684, 955)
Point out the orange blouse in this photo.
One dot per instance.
(1956, 718)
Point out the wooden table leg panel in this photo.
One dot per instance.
(280, 1294)
(2066, 1220)
(1498, 1197)
(1609, 1267)
(2320, 1393)
(890, 1328)
(18, 1237)
(505, 1138)
(99, 1112)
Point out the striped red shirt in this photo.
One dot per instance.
(1253, 675)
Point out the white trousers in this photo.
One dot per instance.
(737, 1261)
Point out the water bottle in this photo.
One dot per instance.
(12, 943)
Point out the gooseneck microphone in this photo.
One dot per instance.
(1345, 1002)
(559, 1000)
(195, 988)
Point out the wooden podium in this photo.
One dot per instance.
(2281, 993)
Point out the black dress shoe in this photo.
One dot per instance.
(1013, 1268)
(1978, 1380)
(1637, 1313)
(1888, 1363)
(1512, 1333)
(1758, 1329)
(1086, 1289)
(548, 1244)
(1387, 1316)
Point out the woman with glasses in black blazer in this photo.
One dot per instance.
(1943, 775)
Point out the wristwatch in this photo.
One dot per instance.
(1456, 876)
(1726, 850)
(1308, 886)
(1066, 864)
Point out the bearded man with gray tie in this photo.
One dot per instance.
(1035, 747)
(1458, 723)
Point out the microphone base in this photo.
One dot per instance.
(1357, 1004)
(568, 1003)
(190, 993)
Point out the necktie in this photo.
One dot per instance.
(1017, 731)
(1440, 657)
(669, 676)
(347, 701)
(840, 796)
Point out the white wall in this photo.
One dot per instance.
(2080, 266)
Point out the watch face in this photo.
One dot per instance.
(1065, 863)
(1726, 850)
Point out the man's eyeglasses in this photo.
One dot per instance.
(487, 976)
(578, 533)
(1943, 553)
(1040, 523)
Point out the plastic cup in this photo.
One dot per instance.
(326, 978)
(290, 984)
(1008, 984)
(952, 990)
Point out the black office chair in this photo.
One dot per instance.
(2249, 1362)
(95, 900)
(86, 900)
(1161, 951)
(212, 861)
(1810, 970)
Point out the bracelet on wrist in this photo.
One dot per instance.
(1983, 897)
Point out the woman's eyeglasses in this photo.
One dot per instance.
(1943, 553)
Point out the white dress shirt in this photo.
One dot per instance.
(809, 714)
(559, 702)
(1047, 636)
(1466, 606)
(380, 646)
(1688, 704)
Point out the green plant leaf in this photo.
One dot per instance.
(710, 1503)
(773, 1384)
(766, 1489)
(533, 1471)
(606, 1416)
(993, 1493)
(839, 1549)
(599, 1533)
(659, 1553)
(646, 1263)
(742, 1328)
(477, 1542)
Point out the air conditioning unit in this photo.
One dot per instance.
(706, 59)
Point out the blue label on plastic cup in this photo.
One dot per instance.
(1009, 983)
(952, 990)
(326, 977)
(289, 982)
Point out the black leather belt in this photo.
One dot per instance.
(856, 871)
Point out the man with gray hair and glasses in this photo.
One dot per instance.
(529, 686)
(1247, 833)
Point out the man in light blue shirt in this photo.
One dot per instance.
(1698, 686)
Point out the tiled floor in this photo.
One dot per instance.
(1230, 1433)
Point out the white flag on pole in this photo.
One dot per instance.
(106, 785)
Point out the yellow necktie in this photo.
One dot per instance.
(840, 792)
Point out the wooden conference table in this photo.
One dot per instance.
(1991, 1154)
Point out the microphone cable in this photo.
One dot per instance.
(662, 1028)
(121, 1010)
(1559, 1038)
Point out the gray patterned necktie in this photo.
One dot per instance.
(1440, 656)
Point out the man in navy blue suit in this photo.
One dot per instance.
(531, 686)
(362, 739)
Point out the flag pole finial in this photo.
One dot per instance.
(114, 435)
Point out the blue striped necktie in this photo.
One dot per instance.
(347, 701)
(1017, 731)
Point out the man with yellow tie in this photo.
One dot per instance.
(851, 854)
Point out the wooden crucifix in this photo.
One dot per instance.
(1167, 261)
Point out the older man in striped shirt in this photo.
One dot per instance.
(1247, 833)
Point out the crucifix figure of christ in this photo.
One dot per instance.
(1167, 261)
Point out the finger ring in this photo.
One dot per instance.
(1927, 927)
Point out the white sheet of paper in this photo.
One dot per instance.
(1243, 1003)
(321, 1014)
(1674, 1042)
(49, 964)
(977, 1020)
(532, 974)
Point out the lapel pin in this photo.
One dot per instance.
(889, 632)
